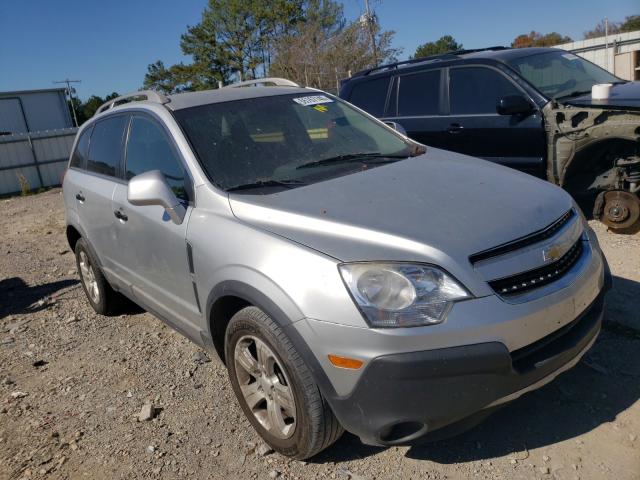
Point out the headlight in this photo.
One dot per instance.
(401, 294)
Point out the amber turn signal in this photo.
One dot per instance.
(344, 362)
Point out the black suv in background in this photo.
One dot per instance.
(528, 108)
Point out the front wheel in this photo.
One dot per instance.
(275, 388)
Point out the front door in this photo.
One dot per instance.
(152, 250)
(475, 128)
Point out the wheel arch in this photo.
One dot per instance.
(73, 235)
(230, 296)
(593, 158)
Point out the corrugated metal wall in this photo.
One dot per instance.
(40, 156)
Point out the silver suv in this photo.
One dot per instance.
(348, 277)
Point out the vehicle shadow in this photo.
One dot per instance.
(18, 297)
(605, 383)
(622, 303)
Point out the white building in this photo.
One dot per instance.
(619, 53)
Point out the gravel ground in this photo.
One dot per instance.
(73, 389)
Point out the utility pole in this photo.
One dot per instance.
(606, 41)
(370, 25)
(69, 90)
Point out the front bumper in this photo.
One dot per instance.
(401, 397)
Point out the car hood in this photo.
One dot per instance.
(624, 96)
(439, 207)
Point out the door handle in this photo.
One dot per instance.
(455, 128)
(80, 197)
(120, 215)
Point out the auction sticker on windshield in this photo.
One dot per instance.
(312, 100)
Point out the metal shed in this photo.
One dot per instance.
(36, 135)
(33, 111)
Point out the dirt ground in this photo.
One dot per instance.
(72, 384)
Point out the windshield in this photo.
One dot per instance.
(559, 74)
(263, 142)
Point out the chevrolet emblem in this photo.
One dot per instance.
(552, 253)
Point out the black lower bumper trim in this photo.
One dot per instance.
(401, 397)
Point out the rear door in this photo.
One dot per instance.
(94, 191)
(475, 128)
(152, 255)
(416, 104)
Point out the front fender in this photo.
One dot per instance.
(257, 290)
(283, 311)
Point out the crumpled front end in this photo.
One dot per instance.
(594, 151)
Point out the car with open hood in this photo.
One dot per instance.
(531, 109)
(348, 277)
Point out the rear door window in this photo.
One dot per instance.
(476, 90)
(419, 94)
(371, 95)
(149, 148)
(105, 149)
(79, 157)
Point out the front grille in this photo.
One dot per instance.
(538, 277)
(525, 241)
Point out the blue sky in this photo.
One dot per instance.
(108, 44)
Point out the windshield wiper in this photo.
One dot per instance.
(575, 93)
(353, 157)
(287, 183)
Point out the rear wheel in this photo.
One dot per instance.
(102, 298)
(275, 388)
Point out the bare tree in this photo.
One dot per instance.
(319, 57)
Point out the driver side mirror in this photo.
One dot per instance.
(151, 188)
(514, 105)
(397, 127)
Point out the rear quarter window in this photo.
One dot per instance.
(371, 95)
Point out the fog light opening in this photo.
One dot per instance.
(403, 432)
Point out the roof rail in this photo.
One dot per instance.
(149, 95)
(278, 82)
(440, 56)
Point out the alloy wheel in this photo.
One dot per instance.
(89, 278)
(265, 386)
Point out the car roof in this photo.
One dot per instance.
(510, 53)
(193, 99)
(499, 54)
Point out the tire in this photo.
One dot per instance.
(102, 298)
(308, 425)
